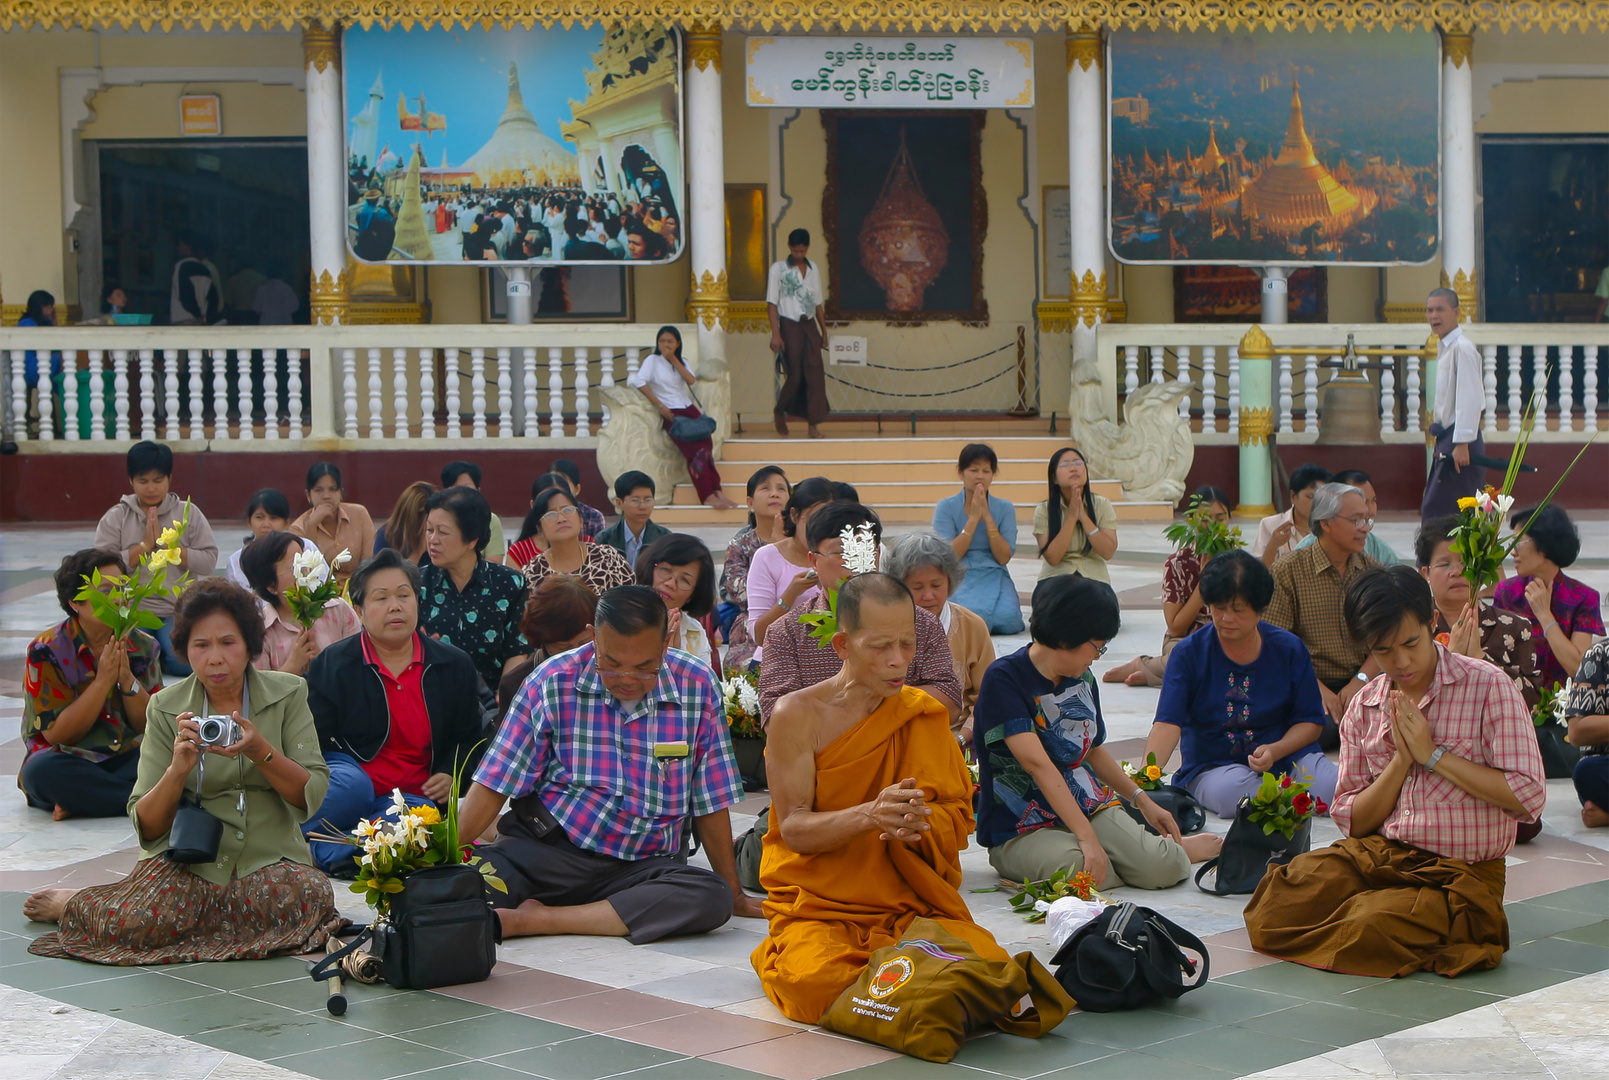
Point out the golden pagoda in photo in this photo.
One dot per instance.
(1296, 191)
(1212, 159)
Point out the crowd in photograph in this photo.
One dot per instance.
(565, 688)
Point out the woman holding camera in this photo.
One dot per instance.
(245, 739)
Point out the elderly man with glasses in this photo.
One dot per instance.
(605, 752)
(1310, 592)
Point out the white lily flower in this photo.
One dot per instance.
(343, 558)
(399, 804)
(748, 698)
(309, 569)
(1505, 503)
(1483, 500)
(860, 549)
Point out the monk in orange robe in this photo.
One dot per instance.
(871, 808)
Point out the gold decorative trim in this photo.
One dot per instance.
(1468, 294)
(747, 317)
(387, 313)
(1084, 47)
(703, 44)
(321, 44)
(1056, 316)
(1256, 425)
(1255, 345)
(948, 16)
(1089, 297)
(710, 301)
(1457, 48)
(328, 304)
(1402, 313)
(1256, 513)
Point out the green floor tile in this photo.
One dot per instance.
(1127, 1030)
(470, 1070)
(13, 921)
(1510, 978)
(900, 1068)
(1134, 1065)
(584, 1059)
(1561, 955)
(1322, 1022)
(1587, 898)
(117, 997)
(1012, 1055)
(1528, 921)
(278, 1032)
(1220, 1003)
(1246, 1051)
(46, 974)
(376, 1059)
(694, 1069)
(197, 1015)
(14, 950)
(243, 974)
(405, 1012)
(1427, 998)
(1592, 934)
(305, 995)
(1298, 981)
(492, 1034)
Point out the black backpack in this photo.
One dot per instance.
(1128, 957)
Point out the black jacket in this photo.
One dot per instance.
(349, 707)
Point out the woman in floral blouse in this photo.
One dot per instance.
(1564, 612)
(84, 705)
(599, 565)
(768, 494)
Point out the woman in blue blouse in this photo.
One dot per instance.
(1241, 695)
(983, 530)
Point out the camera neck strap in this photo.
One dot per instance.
(245, 712)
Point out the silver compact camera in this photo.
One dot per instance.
(218, 730)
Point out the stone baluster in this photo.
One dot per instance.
(1566, 387)
(427, 393)
(631, 363)
(248, 422)
(1488, 388)
(455, 426)
(1159, 363)
(220, 394)
(1388, 395)
(170, 395)
(399, 394)
(1589, 389)
(583, 401)
(1232, 384)
(1285, 422)
(376, 403)
(477, 393)
(1181, 375)
(1410, 420)
(293, 391)
(1131, 369)
(97, 395)
(505, 395)
(1516, 411)
(349, 393)
(556, 393)
(147, 395)
(271, 394)
(193, 358)
(533, 426)
(120, 401)
(1209, 388)
(1310, 395)
(69, 395)
(14, 388)
(606, 380)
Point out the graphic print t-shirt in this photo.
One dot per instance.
(1016, 699)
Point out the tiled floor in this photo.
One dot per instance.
(579, 1009)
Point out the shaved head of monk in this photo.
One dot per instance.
(876, 636)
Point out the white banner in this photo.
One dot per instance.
(890, 72)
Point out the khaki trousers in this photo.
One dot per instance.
(1137, 858)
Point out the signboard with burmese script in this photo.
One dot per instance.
(889, 72)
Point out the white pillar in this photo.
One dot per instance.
(1458, 201)
(709, 304)
(1276, 296)
(1086, 172)
(326, 173)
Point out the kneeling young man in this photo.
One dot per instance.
(605, 751)
(1438, 762)
(871, 808)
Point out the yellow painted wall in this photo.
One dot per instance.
(151, 111)
(1548, 106)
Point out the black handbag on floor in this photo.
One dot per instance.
(1178, 801)
(1248, 852)
(1128, 957)
(440, 931)
(1558, 757)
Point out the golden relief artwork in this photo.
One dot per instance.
(903, 242)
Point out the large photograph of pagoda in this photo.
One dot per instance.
(554, 147)
(1284, 147)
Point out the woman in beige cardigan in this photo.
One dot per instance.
(930, 569)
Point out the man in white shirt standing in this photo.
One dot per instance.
(793, 299)
(1460, 400)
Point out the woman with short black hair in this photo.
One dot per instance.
(982, 528)
(332, 523)
(1564, 612)
(267, 512)
(269, 565)
(466, 599)
(1241, 695)
(681, 570)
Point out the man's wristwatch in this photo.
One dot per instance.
(1361, 677)
(1435, 757)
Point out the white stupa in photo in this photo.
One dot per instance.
(518, 153)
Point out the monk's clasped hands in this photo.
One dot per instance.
(900, 812)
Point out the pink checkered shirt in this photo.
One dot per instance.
(1476, 713)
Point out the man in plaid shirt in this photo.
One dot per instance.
(1438, 763)
(605, 752)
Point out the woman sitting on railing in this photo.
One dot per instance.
(268, 512)
(1076, 530)
(334, 525)
(599, 565)
(405, 528)
(257, 895)
(982, 528)
(664, 379)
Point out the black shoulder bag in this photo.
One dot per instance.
(1248, 852)
(1128, 957)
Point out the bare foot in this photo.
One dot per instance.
(782, 427)
(1121, 672)
(1593, 817)
(529, 919)
(59, 814)
(1136, 679)
(46, 905)
(719, 502)
(1202, 846)
(815, 432)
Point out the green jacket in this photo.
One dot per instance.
(270, 829)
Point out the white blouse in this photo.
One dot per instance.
(665, 381)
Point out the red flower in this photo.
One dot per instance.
(1321, 806)
(1302, 803)
(1285, 781)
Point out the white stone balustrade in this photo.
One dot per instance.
(355, 387)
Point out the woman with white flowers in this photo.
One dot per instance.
(273, 564)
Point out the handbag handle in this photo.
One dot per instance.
(1165, 978)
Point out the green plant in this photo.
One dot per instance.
(1203, 534)
(1062, 883)
(118, 603)
(1550, 706)
(1281, 804)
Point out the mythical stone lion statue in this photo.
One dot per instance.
(635, 436)
(1150, 453)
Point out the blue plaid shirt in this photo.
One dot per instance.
(593, 763)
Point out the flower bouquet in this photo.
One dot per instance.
(1283, 805)
(1559, 757)
(316, 586)
(1480, 516)
(117, 604)
(1201, 533)
(742, 700)
(1147, 776)
(860, 557)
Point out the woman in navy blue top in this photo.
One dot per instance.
(1240, 697)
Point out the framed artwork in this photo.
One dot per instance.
(1234, 294)
(904, 216)
(563, 294)
(747, 260)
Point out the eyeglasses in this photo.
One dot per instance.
(665, 574)
(1362, 521)
(560, 515)
(639, 501)
(1100, 650)
(637, 676)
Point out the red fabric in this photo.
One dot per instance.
(404, 761)
(700, 458)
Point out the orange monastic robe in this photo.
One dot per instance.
(830, 911)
